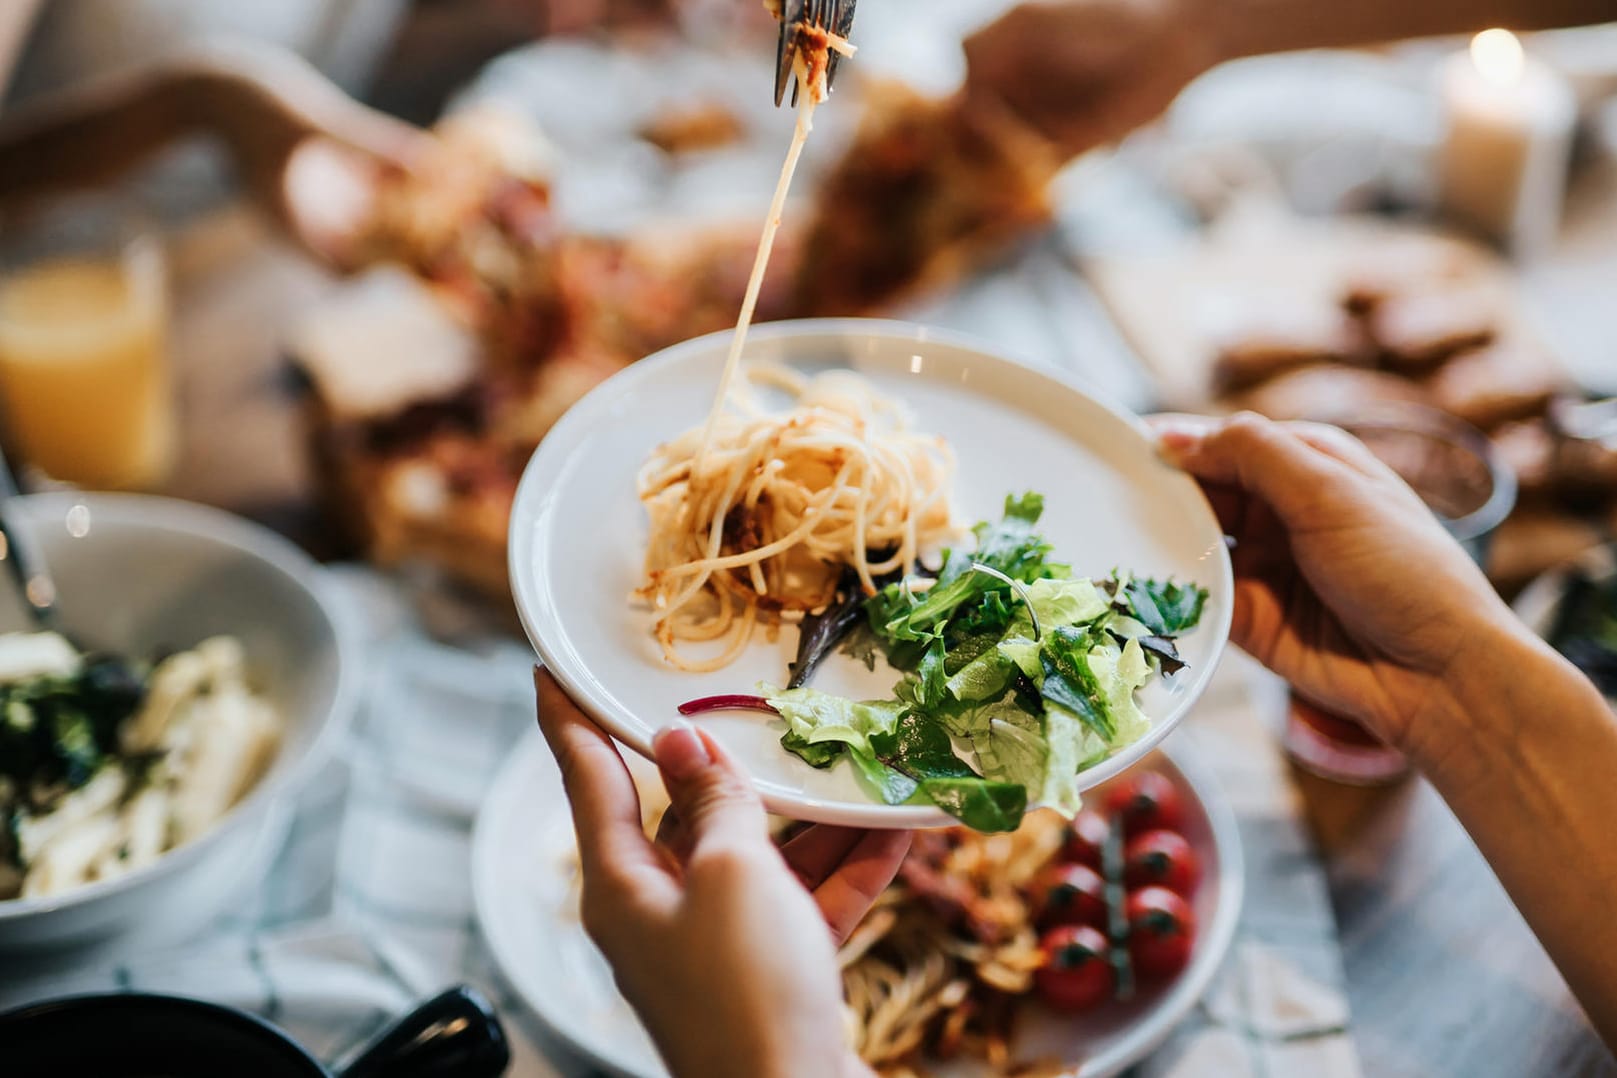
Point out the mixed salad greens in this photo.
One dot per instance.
(1017, 676)
(60, 721)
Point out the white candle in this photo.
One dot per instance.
(1504, 160)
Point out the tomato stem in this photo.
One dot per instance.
(1117, 922)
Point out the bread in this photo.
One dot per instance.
(1507, 381)
(1418, 331)
(384, 340)
(1328, 393)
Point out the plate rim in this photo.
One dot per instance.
(529, 506)
(1132, 1046)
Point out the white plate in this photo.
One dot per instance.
(527, 903)
(578, 534)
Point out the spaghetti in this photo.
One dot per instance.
(939, 965)
(754, 515)
(762, 526)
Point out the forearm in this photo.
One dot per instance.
(1528, 762)
(1250, 27)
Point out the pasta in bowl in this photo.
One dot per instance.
(208, 675)
(107, 763)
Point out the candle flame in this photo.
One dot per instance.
(1498, 56)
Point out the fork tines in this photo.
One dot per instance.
(834, 16)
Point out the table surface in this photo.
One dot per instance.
(1444, 976)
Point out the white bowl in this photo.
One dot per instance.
(140, 573)
(578, 535)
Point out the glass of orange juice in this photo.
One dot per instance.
(85, 393)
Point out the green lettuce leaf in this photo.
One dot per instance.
(988, 619)
(888, 785)
(1059, 603)
(918, 617)
(1070, 683)
(1067, 743)
(973, 645)
(979, 804)
(1011, 546)
(1164, 607)
(820, 754)
(930, 682)
(1024, 652)
(819, 717)
(1009, 744)
(984, 678)
(1119, 672)
(920, 747)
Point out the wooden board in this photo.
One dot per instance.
(1173, 306)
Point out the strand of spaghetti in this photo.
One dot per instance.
(738, 641)
(715, 540)
(766, 244)
(809, 491)
(784, 543)
(861, 542)
(705, 569)
(712, 628)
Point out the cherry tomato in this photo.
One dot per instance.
(1162, 859)
(1162, 931)
(1086, 834)
(1070, 895)
(1077, 974)
(1146, 801)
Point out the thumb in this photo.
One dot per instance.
(712, 797)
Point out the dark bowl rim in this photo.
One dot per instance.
(195, 1009)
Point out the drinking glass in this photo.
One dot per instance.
(85, 393)
(1456, 471)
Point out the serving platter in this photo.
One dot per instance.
(578, 534)
(524, 884)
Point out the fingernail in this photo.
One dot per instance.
(680, 753)
(1179, 438)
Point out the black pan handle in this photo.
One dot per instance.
(453, 1034)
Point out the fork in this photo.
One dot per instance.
(22, 555)
(833, 16)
